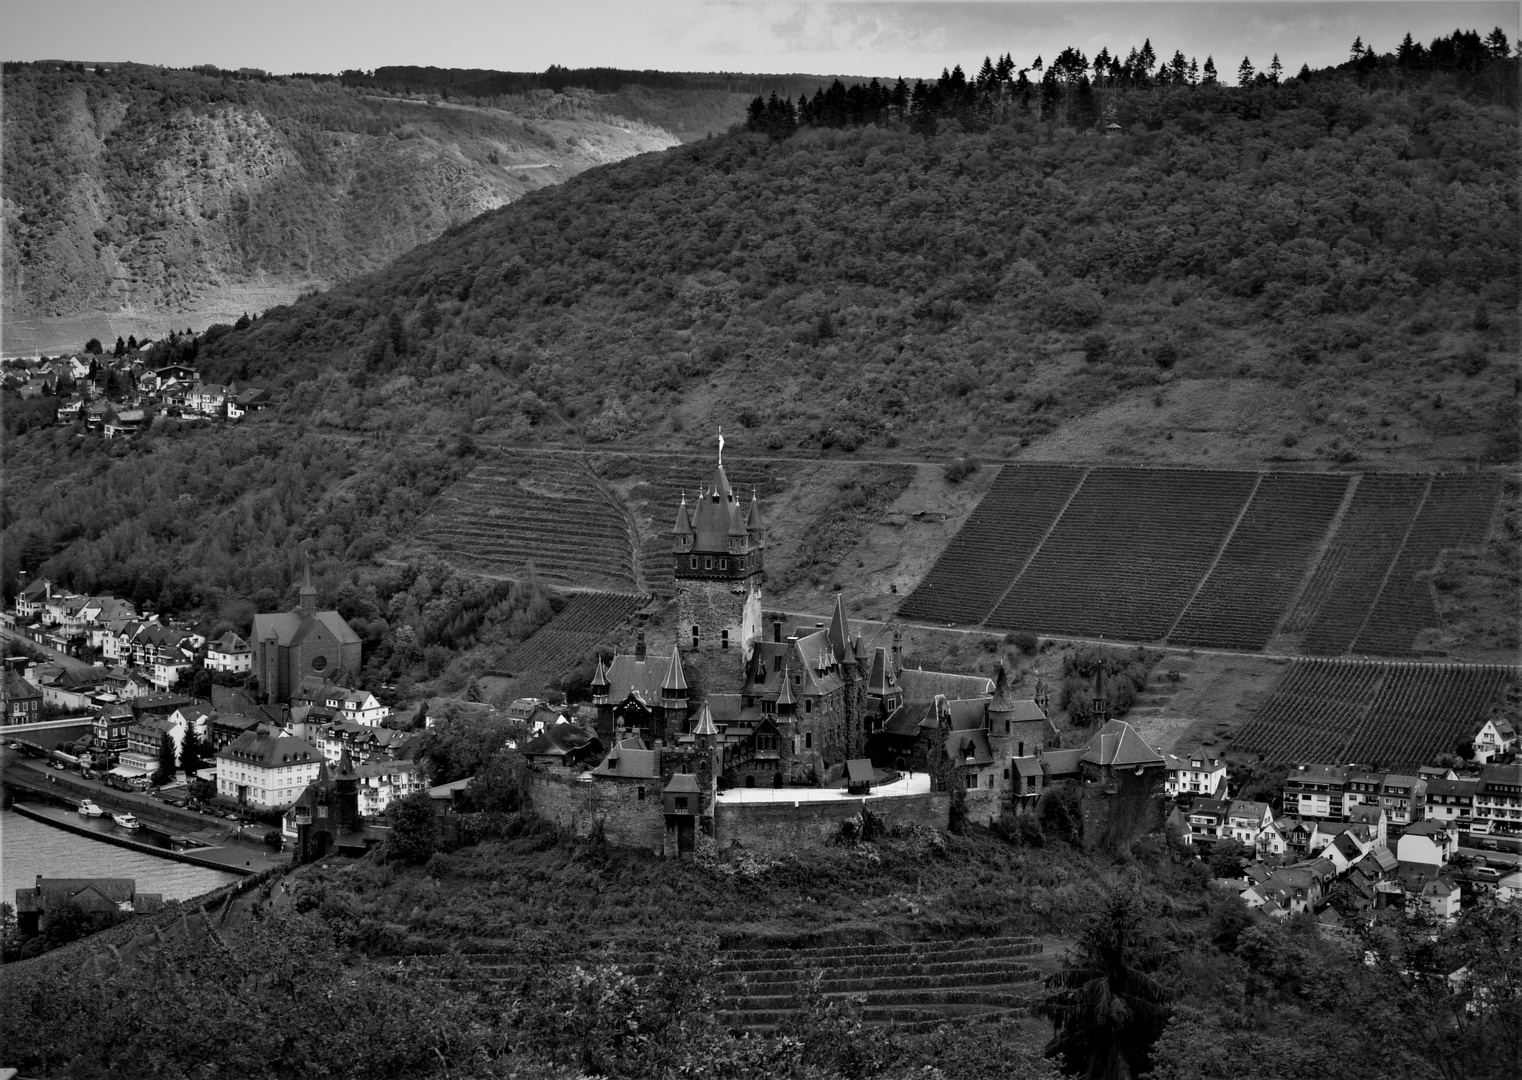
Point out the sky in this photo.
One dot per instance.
(913, 38)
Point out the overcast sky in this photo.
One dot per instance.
(854, 37)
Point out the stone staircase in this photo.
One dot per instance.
(919, 983)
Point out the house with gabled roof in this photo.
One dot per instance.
(230, 654)
(563, 746)
(1195, 773)
(1497, 737)
(266, 770)
(1427, 843)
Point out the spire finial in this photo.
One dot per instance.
(721, 446)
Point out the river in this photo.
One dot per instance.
(29, 848)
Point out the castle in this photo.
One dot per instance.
(802, 707)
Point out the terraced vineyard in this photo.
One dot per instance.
(589, 619)
(994, 545)
(1455, 514)
(1337, 600)
(921, 982)
(1126, 554)
(1265, 560)
(545, 509)
(1376, 713)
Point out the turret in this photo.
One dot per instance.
(682, 531)
(601, 687)
(705, 731)
(674, 686)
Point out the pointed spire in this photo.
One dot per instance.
(705, 724)
(345, 766)
(675, 678)
(683, 526)
(840, 630)
(786, 703)
(308, 592)
(600, 676)
(753, 522)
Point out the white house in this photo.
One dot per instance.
(229, 653)
(1495, 737)
(1194, 774)
(266, 771)
(382, 781)
(1427, 843)
(1245, 821)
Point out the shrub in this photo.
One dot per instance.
(960, 469)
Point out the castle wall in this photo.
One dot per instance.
(580, 807)
(713, 606)
(1121, 811)
(781, 828)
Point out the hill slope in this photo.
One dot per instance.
(875, 287)
(154, 195)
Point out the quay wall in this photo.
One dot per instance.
(122, 841)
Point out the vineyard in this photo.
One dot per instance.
(1240, 602)
(1383, 715)
(544, 509)
(1208, 559)
(1126, 554)
(994, 545)
(1455, 514)
(586, 622)
(1337, 600)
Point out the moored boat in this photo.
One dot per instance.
(126, 821)
(90, 809)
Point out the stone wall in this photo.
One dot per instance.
(783, 827)
(1121, 811)
(580, 807)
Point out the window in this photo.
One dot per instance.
(693, 562)
(707, 562)
(1006, 774)
(972, 781)
(641, 792)
(723, 564)
(808, 740)
(1021, 752)
(694, 637)
(808, 705)
(681, 802)
(723, 639)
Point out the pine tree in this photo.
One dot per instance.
(1147, 57)
(1245, 72)
(1275, 69)
(165, 772)
(1193, 77)
(1355, 54)
(120, 347)
(190, 753)
(1496, 44)
(1209, 70)
(1405, 52)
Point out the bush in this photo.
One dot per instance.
(959, 469)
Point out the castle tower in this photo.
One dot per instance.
(674, 706)
(717, 546)
(601, 687)
(851, 676)
(345, 795)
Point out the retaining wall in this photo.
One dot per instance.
(782, 827)
(614, 806)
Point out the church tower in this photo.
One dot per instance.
(717, 545)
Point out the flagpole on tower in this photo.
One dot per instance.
(721, 446)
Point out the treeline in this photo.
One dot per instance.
(1075, 91)
(487, 83)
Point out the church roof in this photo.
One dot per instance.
(289, 628)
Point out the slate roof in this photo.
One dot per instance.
(1064, 762)
(859, 771)
(290, 628)
(969, 748)
(1460, 788)
(642, 678)
(269, 751)
(630, 759)
(1027, 766)
(968, 714)
(907, 720)
(558, 740)
(1119, 746)
(921, 685)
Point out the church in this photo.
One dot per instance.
(290, 646)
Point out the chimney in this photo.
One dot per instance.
(639, 646)
(777, 631)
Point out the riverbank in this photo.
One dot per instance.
(210, 859)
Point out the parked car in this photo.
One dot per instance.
(1485, 873)
(60, 766)
(1487, 845)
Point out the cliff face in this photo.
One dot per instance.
(149, 195)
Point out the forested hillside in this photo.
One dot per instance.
(1350, 250)
(170, 196)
